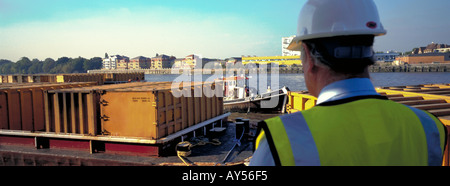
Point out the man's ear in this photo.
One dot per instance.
(308, 63)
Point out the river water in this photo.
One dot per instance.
(296, 82)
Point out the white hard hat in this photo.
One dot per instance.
(330, 18)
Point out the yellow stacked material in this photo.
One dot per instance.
(299, 101)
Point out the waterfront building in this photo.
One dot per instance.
(107, 64)
(285, 41)
(443, 50)
(426, 58)
(192, 61)
(188, 62)
(178, 63)
(140, 62)
(111, 62)
(431, 48)
(280, 60)
(386, 57)
(233, 60)
(123, 64)
(162, 61)
(214, 63)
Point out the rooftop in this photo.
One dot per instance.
(431, 54)
(140, 57)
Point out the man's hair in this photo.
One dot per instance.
(343, 54)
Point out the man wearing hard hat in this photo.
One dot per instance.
(352, 125)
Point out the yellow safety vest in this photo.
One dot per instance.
(361, 131)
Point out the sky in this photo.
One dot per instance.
(210, 28)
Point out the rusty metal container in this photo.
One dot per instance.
(14, 79)
(4, 121)
(22, 105)
(48, 78)
(71, 113)
(3, 79)
(133, 118)
(122, 76)
(75, 110)
(134, 76)
(20, 78)
(80, 78)
(152, 112)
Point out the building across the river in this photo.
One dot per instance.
(426, 58)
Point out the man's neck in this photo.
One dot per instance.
(330, 77)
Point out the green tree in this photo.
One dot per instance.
(62, 65)
(67, 68)
(36, 67)
(22, 65)
(4, 61)
(62, 60)
(48, 65)
(55, 70)
(93, 64)
(6, 68)
(77, 65)
(13, 69)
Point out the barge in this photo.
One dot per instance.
(142, 124)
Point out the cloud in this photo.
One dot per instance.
(134, 32)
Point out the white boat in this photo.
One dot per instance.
(238, 97)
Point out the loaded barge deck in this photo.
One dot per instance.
(207, 154)
(78, 125)
(134, 119)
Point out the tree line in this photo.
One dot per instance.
(62, 65)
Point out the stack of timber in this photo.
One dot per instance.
(432, 98)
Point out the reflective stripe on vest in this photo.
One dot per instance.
(304, 148)
(433, 137)
(293, 142)
(295, 146)
(279, 141)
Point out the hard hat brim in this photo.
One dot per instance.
(296, 43)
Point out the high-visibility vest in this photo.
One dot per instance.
(364, 131)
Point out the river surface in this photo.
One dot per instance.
(296, 82)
